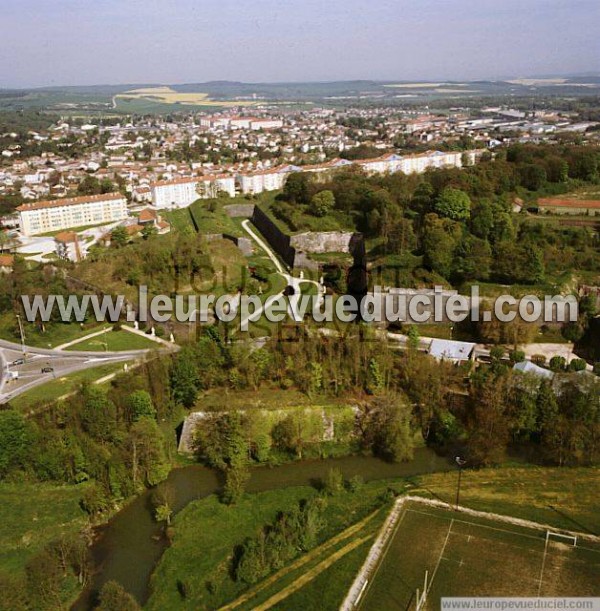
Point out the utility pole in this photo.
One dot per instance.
(460, 464)
(22, 334)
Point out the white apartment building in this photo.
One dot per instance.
(182, 192)
(47, 216)
(265, 180)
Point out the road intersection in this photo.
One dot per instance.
(21, 366)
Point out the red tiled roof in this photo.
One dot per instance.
(66, 237)
(6, 260)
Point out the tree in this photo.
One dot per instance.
(119, 236)
(386, 428)
(149, 230)
(113, 597)
(16, 435)
(453, 204)
(139, 404)
(185, 380)
(98, 413)
(149, 463)
(441, 237)
(334, 482)
(322, 203)
(296, 189)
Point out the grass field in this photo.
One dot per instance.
(469, 556)
(55, 334)
(114, 341)
(31, 515)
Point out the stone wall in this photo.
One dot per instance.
(322, 241)
(239, 210)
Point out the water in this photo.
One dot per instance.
(130, 545)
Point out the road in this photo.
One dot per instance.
(63, 363)
(292, 281)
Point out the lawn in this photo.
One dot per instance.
(114, 341)
(564, 497)
(54, 389)
(32, 515)
(56, 333)
(467, 556)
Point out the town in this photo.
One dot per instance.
(299, 305)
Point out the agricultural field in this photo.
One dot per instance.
(166, 95)
(471, 556)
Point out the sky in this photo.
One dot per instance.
(86, 42)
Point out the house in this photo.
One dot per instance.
(46, 216)
(450, 350)
(68, 247)
(151, 217)
(6, 263)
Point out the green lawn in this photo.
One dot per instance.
(56, 333)
(52, 390)
(32, 515)
(115, 341)
(564, 497)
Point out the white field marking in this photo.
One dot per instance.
(437, 566)
(502, 530)
(381, 558)
(365, 571)
(543, 565)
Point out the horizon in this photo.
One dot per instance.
(182, 43)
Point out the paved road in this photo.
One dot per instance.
(292, 281)
(63, 363)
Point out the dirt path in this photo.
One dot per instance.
(310, 575)
(300, 562)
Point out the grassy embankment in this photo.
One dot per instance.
(32, 516)
(56, 388)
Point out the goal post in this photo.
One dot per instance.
(552, 535)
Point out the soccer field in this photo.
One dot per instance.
(472, 556)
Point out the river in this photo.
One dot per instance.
(129, 546)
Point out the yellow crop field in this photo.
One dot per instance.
(166, 95)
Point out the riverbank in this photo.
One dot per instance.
(206, 532)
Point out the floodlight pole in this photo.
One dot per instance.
(460, 464)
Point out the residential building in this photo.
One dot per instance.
(182, 192)
(47, 216)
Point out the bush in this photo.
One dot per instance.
(577, 365)
(334, 482)
(538, 359)
(517, 356)
(558, 363)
